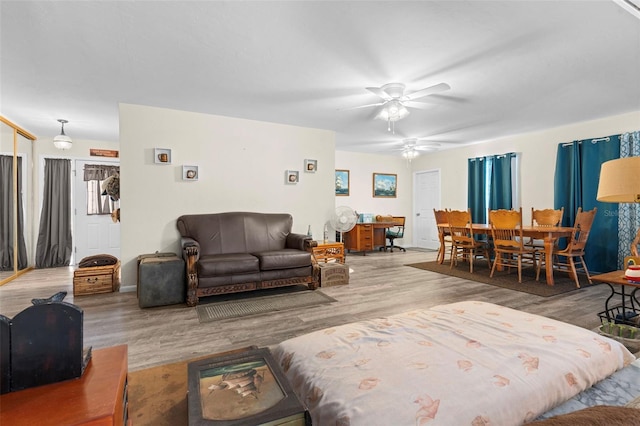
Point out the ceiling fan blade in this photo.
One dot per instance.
(419, 105)
(428, 91)
(379, 92)
(362, 106)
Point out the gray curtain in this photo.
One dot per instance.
(54, 237)
(6, 215)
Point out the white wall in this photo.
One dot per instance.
(538, 159)
(361, 168)
(242, 167)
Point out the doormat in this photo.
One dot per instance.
(251, 304)
(481, 271)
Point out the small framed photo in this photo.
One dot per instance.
(162, 156)
(292, 177)
(190, 173)
(342, 182)
(385, 185)
(310, 166)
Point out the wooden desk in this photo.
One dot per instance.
(97, 398)
(616, 279)
(367, 236)
(548, 234)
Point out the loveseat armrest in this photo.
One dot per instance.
(191, 254)
(300, 242)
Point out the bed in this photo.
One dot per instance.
(465, 363)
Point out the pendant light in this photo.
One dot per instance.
(62, 141)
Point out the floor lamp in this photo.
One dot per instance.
(620, 183)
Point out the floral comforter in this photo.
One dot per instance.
(466, 363)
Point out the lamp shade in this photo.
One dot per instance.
(62, 141)
(620, 181)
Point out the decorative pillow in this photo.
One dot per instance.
(599, 415)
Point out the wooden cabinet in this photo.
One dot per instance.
(97, 398)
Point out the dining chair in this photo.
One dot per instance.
(574, 252)
(544, 218)
(508, 242)
(443, 235)
(463, 242)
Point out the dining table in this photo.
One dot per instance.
(549, 234)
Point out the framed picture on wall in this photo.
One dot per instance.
(385, 185)
(342, 182)
(291, 177)
(310, 166)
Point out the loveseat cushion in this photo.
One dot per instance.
(283, 259)
(227, 264)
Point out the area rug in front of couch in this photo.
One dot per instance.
(253, 303)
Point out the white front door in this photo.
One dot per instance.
(93, 233)
(427, 198)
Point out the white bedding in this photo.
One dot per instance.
(466, 363)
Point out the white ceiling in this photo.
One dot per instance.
(513, 66)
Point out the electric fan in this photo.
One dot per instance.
(343, 219)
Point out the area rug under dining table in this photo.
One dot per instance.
(504, 279)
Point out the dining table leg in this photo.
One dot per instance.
(441, 248)
(549, 242)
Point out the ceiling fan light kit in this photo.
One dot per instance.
(395, 101)
(62, 141)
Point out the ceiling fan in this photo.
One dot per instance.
(395, 102)
(411, 147)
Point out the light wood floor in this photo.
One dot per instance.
(379, 285)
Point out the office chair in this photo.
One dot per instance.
(396, 231)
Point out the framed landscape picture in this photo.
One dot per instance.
(342, 182)
(385, 185)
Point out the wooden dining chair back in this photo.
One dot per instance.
(443, 235)
(573, 254)
(544, 218)
(464, 244)
(508, 242)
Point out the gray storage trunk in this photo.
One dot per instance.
(161, 280)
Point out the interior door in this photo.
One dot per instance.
(427, 197)
(93, 233)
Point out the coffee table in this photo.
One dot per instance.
(618, 285)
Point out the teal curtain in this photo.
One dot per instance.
(500, 190)
(628, 214)
(576, 185)
(476, 195)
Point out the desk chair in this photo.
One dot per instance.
(396, 231)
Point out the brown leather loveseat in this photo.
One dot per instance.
(243, 251)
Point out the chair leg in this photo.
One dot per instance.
(496, 261)
(573, 271)
(472, 255)
(586, 271)
(520, 269)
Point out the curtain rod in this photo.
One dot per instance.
(592, 141)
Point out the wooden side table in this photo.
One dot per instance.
(323, 252)
(616, 280)
(97, 398)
